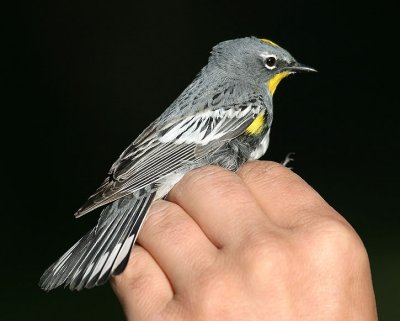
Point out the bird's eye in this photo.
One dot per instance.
(270, 62)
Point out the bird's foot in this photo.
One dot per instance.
(288, 159)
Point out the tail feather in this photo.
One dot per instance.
(121, 260)
(57, 273)
(99, 264)
(102, 252)
(99, 247)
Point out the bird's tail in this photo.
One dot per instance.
(102, 252)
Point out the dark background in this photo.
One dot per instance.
(83, 78)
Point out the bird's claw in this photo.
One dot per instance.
(289, 158)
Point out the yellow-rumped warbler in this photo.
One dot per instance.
(223, 117)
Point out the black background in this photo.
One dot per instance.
(83, 78)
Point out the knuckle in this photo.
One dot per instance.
(336, 241)
(266, 255)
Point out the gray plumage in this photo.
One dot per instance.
(211, 122)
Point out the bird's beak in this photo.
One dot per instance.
(297, 67)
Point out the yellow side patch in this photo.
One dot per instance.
(274, 82)
(256, 126)
(270, 42)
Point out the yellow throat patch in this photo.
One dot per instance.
(274, 81)
(256, 126)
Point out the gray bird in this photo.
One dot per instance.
(223, 118)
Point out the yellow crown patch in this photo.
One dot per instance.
(270, 42)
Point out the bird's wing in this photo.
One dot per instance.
(159, 151)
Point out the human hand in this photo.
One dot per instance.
(259, 244)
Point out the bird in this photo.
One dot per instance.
(222, 118)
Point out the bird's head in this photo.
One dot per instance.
(259, 61)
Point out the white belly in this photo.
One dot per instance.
(262, 148)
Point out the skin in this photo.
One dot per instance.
(253, 245)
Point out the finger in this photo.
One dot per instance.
(220, 203)
(142, 287)
(176, 242)
(284, 196)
